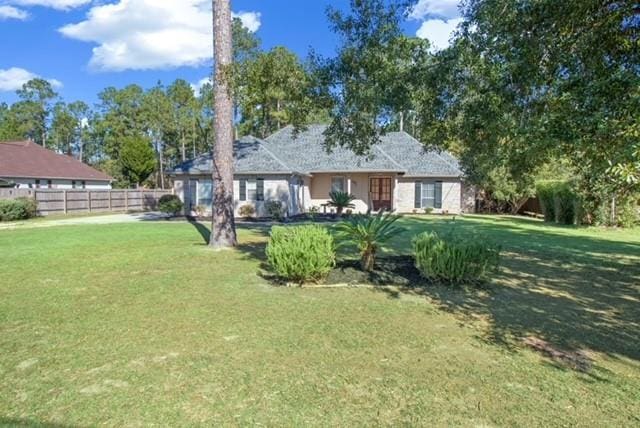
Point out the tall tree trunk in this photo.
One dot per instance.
(223, 229)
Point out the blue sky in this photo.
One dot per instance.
(83, 46)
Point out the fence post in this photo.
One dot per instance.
(126, 200)
(109, 192)
(89, 199)
(64, 198)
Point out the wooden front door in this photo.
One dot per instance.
(380, 193)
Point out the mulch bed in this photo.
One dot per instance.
(397, 270)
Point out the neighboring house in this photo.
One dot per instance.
(29, 165)
(401, 175)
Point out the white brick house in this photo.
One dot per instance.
(401, 175)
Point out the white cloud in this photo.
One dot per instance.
(10, 12)
(197, 87)
(55, 4)
(150, 34)
(438, 32)
(444, 9)
(250, 20)
(13, 78)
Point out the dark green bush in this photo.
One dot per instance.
(302, 253)
(546, 195)
(566, 203)
(559, 201)
(17, 209)
(170, 204)
(454, 259)
(274, 209)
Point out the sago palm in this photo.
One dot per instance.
(341, 200)
(368, 232)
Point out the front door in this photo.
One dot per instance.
(380, 191)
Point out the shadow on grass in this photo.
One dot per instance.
(576, 292)
(19, 423)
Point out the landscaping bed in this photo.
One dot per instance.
(396, 270)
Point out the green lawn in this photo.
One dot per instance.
(141, 324)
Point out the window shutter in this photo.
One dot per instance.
(243, 190)
(418, 195)
(260, 189)
(438, 194)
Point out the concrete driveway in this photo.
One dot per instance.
(94, 219)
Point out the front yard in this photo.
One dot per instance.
(141, 324)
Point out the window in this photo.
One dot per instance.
(428, 194)
(337, 184)
(49, 184)
(205, 193)
(37, 184)
(251, 189)
(73, 184)
(84, 184)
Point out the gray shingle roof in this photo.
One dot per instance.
(251, 156)
(305, 153)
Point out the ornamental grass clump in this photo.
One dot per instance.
(454, 259)
(301, 253)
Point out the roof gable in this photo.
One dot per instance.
(25, 159)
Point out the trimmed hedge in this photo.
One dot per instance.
(453, 259)
(301, 253)
(560, 203)
(17, 209)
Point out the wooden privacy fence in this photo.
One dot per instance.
(68, 201)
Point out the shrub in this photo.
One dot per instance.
(247, 211)
(628, 213)
(274, 209)
(17, 209)
(560, 203)
(301, 253)
(201, 210)
(454, 259)
(566, 203)
(368, 232)
(340, 201)
(546, 196)
(170, 204)
(428, 210)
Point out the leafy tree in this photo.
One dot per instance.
(364, 74)
(34, 108)
(223, 230)
(137, 159)
(120, 117)
(157, 114)
(275, 92)
(63, 128)
(184, 105)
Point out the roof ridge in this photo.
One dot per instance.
(377, 146)
(277, 159)
(279, 131)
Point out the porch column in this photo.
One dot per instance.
(395, 193)
(348, 184)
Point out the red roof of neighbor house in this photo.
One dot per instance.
(26, 159)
